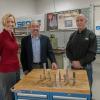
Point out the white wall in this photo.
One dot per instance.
(96, 2)
(44, 6)
(17, 7)
(97, 19)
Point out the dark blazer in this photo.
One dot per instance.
(26, 56)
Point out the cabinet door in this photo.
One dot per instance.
(67, 98)
(29, 96)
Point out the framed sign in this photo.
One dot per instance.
(66, 20)
(52, 21)
(23, 21)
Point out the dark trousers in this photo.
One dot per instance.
(7, 80)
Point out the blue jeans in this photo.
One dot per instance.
(90, 77)
(89, 73)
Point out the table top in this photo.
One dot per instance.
(60, 80)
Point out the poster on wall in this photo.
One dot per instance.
(40, 20)
(23, 21)
(52, 21)
(97, 28)
(66, 20)
(22, 25)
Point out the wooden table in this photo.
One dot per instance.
(48, 84)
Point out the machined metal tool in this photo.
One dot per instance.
(55, 83)
(66, 72)
(49, 76)
(64, 76)
(44, 71)
(59, 76)
(44, 76)
(74, 79)
(40, 77)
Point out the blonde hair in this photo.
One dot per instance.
(5, 17)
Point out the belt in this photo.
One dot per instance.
(37, 63)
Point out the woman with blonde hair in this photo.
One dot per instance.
(9, 63)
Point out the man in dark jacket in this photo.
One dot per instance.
(35, 49)
(81, 47)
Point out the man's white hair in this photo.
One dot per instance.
(82, 15)
(35, 22)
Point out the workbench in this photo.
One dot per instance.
(47, 84)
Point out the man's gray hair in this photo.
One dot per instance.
(82, 15)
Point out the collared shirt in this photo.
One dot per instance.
(36, 49)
